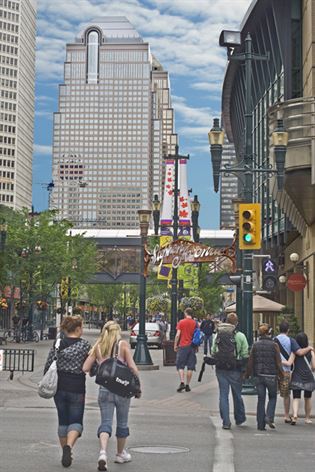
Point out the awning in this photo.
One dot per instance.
(260, 305)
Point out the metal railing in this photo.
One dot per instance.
(17, 360)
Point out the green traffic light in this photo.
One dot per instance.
(248, 238)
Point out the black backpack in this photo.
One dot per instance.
(226, 355)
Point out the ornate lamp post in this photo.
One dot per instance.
(156, 204)
(195, 208)
(142, 354)
(3, 234)
(216, 138)
(280, 142)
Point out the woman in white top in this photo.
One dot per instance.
(108, 401)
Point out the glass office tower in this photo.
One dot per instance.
(112, 128)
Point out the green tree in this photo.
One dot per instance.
(106, 296)
(40, 251)
(210, 292)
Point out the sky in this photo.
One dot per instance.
(183, 35)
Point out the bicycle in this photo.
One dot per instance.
(12, 335)
(29, 335)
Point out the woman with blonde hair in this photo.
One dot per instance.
(103, 349)
(70, 395)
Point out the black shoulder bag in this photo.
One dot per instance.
(117, 377)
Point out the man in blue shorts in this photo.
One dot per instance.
(186, 354)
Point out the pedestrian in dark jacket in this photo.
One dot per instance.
(207, 327)
(265, 365)
(70, 395)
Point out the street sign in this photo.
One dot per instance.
(296, 282)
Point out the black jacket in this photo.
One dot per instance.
(264, 358)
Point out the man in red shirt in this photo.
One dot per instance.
(186, 354)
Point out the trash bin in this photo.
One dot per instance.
(52, 332)
(169, 355)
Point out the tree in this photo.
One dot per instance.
(40, 251)
(210, 292)
(106, 296)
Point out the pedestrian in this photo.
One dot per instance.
(287, 345)
(186, 353)
(265, 365)
(207, 327)
(70, 396)
(302, 379)
(230, 351)
(108, 401)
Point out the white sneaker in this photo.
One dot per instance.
(123, 457)
(102, 461)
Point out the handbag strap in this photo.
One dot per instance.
(282, 350)
(308, 364)
(57, 346)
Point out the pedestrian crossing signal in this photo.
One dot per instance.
(250, 226)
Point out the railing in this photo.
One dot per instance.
(17, 360)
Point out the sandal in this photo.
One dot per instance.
(308, 421)
(288, 421)
(293, 420)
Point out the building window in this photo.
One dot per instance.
(92, 57)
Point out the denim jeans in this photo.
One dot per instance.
(233, 379)
(207, 342)
(263, 384)
(108, 401)
(70, 408)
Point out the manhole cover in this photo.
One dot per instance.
(159, 449)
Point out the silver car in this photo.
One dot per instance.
(155, 334)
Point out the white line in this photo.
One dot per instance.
(224, 448)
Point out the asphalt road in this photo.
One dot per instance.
(179, 432)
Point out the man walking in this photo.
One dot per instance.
(186, 354)
(207, 327)
(230, 349)
(287, 345)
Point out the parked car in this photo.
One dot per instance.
(155, 335)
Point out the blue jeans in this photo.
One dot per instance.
(108, 401)
(233, 379)
(70, 408)
(263, 384)
(207, 342)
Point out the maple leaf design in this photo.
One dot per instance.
(184, 205)
(183, 213)
(169, 180)
(170, 192)
(182, 199)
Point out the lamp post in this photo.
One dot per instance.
(195, 208)
(156, 205)
(142, 354)
(230, 40)
(3, 234)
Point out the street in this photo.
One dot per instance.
(172, 431)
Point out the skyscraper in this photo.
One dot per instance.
(17, 83)
(113, 127)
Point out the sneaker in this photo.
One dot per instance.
(226, 426)
(102, 461)
(181, 387)
(123, 457)
(187, 388)
(66, 459)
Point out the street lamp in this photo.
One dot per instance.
(3, 234)
(216, 138)
(195, 208)
(156, 204)
(142, 354)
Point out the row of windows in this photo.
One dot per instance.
(8, 49)
(6, 198)
(7, 128)
(7, 117)
(6, 163)
(6, 174)
(9, 83)
(7, 186)
(7, 140)
(7, 152)
(8, 95)
(8, 72)
(9, 16)
(9, 27)
(7, 106)
(9, 38)
(10, 61)
(10, 4)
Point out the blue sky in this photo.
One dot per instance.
(183, 34)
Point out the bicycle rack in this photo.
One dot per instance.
(17, 360)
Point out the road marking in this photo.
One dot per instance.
(224, 448)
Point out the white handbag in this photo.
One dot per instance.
(47, 387)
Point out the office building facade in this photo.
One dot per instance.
(282, 88)
(17, 84)
(113, 127)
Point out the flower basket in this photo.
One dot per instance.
(3, 303)
(41, 305)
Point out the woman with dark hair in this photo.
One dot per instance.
(302, 379)
(70, 396)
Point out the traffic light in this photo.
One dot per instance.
(269, 275)
(250, 226)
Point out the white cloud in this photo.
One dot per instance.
(194, 131)
(42, 150)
